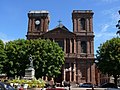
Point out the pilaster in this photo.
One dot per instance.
(70, 45)
(88, 47)
(65, 45)
(33, 25)
(87, 24)
(79, 48)
(74, 71)
(70, 70)
(74, 46)
(92, 47)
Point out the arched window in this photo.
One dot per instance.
(82, 22)
(83, 47)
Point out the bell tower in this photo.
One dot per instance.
(83, 28)
(38, 23)
(82, 21)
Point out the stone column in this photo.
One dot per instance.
(78, 25)
(75, 25)
(41, 25)
(74, 71)
(92, 47)
(29, 25)
(70, 71)
(87, 25)
(65, 45)
(98, 82)
(78, 74)
(33, 25)
(70, 46)
(88, 47)
(46, 24)
(93, 73)
(91, 24)
(74, 46)
(79, 48)
(88, 72)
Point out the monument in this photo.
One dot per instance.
(30, 71)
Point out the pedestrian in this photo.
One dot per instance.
(21, 87)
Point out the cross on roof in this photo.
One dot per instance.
(59, 22)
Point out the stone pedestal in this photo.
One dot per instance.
(29, 73)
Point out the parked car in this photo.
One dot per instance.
(6, 86)
(86, 85)
(108, 85)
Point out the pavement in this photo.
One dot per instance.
(72, 88)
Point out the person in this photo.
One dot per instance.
(21, 87)
(25, 86)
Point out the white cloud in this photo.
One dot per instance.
(101, 35)
(104, 27)
(112, 14)
(107, 27)
(105, 33)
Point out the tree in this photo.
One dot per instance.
(108, 57)
(118, 26)
(2, 56)
(17, 59)
(48, 57)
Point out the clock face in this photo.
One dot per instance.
(37, 22)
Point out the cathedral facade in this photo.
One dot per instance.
(78, 45)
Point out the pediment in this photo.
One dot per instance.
(59, 32)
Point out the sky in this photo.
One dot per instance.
(14, 19)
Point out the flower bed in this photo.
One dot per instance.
(34, 83)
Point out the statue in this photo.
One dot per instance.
(31, 61)
(30, 71)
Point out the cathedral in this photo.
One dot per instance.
(77, 44)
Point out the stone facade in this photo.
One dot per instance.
(78, 45)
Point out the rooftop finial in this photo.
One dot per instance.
(59, 22)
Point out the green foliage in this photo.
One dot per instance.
(16, 57)
(2, 56)
(108, 57)
(48, 57)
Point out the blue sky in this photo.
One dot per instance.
(14, 19)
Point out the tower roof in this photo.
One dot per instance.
(82, 11)
(39, 11)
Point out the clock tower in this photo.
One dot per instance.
(38, 23)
